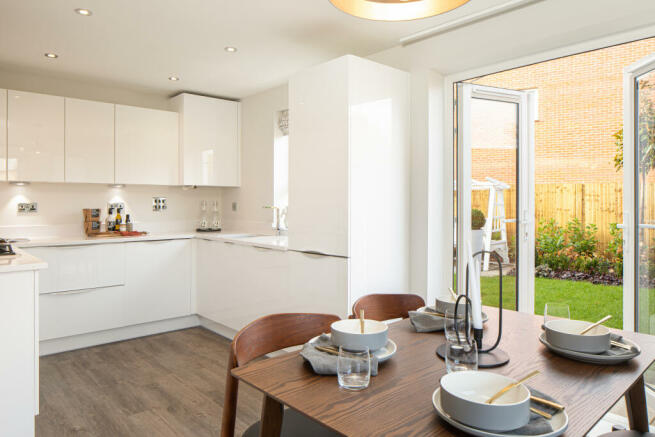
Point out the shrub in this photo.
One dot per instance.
(477, 219)
(551, 245)
(614, 251)
(582, 238)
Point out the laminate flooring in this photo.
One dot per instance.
(169, 384)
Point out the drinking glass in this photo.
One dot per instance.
(461, 355)
(456, 327)
(555, 310)
(353, 368)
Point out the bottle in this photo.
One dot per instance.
(128, 223)
(111, 220)
(119, 219)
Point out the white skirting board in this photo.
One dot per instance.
(57, 345)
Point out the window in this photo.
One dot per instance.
(281, 165)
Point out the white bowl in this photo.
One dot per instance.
(565, 334)
(347, 333)
(464, 396)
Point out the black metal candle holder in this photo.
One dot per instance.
(492, 356)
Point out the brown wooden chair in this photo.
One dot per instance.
(387, 306)
(263, 336)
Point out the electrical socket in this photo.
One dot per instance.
(27, 208)
(159, 204)
(116, 205)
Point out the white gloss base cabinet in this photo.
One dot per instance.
(35, 137)
(156, 286)
(209, 140)
(146, 143)
(19, 365)
(237, 284)
(89, 133)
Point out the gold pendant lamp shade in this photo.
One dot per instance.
(396, 10)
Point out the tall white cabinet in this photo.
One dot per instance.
(35, 137)
(146, 146)
(89, 139)
(349, 170)
(209, 140)
(3, 135)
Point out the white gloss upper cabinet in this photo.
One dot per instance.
(209, 140)
(35, 137)
(318, 159)
(89, 137)
(146, 146)
(3, 135)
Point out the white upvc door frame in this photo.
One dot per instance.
(630, 187)
(526, 102)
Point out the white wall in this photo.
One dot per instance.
(258, 118)
(60, 207)
(431, 212)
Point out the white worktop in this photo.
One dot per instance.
(20, 262)
(242, 238)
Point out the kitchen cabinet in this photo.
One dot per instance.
(19, 366)
(67, 313)
(81, 267)
(89, 141)
(35, 137)
(97, 287)
(237, 284)
(349, 168)
(209, 140)
(158, 279)
(3, 135)
(146, 146)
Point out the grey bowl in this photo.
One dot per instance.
(347, 333)
(448, 304)
(564, 334)
(464, 396)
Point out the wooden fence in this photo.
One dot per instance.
(600, 204)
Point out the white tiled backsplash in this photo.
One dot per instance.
(60, 207)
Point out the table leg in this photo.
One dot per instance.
(272, 415)
(635, 400)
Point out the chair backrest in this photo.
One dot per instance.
(265, 335)
(387, 306)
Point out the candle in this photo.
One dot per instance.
(474, 285)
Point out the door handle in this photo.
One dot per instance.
(67, 293)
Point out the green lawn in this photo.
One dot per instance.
(586, 301)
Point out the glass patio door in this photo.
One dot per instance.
(639, 196)
(495, 177)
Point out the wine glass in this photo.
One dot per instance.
(556, 310)
(461, 356)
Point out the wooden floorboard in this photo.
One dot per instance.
(169, 384)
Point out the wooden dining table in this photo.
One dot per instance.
(398, 401)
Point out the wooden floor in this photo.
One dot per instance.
(164, 385)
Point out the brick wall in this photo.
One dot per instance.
(580, 107)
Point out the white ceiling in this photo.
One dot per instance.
(523, 33)
(139, 43)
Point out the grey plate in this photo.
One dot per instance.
(559, 422)
(592, 358)
(485, 317)
(382, 354)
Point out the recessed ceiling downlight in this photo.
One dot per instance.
(230, 49)
(51, 55)
(396, 10)
(84, 12)
(173, 78)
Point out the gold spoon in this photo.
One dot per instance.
(592, 326)
(511, 386)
